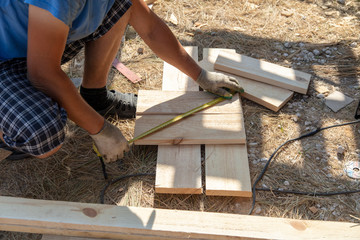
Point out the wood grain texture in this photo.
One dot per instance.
(227, 171)
(179, 171)
(175, 80)
(226, 166)
(195, 129)
(57, 237)
(271, 97)
(263, 71)
(152, 102)
(189, 154)
(120, 222)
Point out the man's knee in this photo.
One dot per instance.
(41, 135)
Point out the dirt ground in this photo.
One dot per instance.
(318, 37)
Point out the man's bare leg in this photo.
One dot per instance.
(99, 54)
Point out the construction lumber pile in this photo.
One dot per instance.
(219, 128)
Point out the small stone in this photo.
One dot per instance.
(340, 149)
(322, 61)
(286, 183)
(287, 45)
(316, 52)
(329, 175)
(320, 95)
(310, 55)
(264, 185)
(263, 159)
(275, 59)
(353, 44)
(298, 114)
(328, 52)
(301, 45)
(173, 19)
(307, 123)
(140, 50)
(258, 210)
(285, 55)
(253, 144)
(341, 1)
(287, 13)
(295, 118)
(255, 162)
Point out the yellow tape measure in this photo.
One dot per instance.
(171, 121)
(177, 118)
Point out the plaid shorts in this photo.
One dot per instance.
(29, 120)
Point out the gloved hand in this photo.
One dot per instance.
(216, 82)
(110, 142)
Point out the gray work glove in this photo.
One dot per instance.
(110, 142)
(216, 82)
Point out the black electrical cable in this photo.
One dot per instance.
(102, 193)
(295, 192)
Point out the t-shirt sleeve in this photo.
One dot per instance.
(64, 10)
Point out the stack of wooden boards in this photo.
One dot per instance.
(220, 128)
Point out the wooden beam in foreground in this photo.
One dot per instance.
(119, 222)
(263, 71)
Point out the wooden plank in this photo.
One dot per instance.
(271, 97)
(195, 129)
(183, 174)
(226, 166)
(337, 100)
(185, 181)
(227, 171)
(175, 80)
(263, 71)
(57, 237)
(152, 102)
(207, 52)
(133, 77)
(121, 222)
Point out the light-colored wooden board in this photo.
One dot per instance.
(121, 222)
(189, 154)
(227, 171)
(57, 237)
(226, 166)
(183, 174)
(151, 102)
(271, 97)
(263, 71)
(207, 52)
(195, 129)
(175, 80)
(337, 100)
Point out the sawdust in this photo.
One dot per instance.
(276, 31)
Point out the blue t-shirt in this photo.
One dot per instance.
(82, 16)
